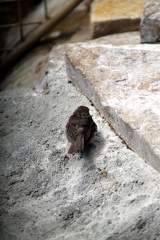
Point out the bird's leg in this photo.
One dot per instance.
(79, 155)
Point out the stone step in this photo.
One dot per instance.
(124, 85)
(113, 16)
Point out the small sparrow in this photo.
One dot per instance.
(80, 129)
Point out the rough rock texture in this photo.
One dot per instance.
(110, 193)
(124, 86)
(112, 16)
(150, 24)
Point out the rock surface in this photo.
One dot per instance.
(150, 24)
(124, 86)
(112, 16)
(110, 193)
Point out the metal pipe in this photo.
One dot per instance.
(45, 10)
(20, 20)
(6, 49)
(4, 1)
(33, 38)
(17, 24)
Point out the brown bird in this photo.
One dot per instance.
(80, 129)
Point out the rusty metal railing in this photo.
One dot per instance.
(20, 22)
(28, 42)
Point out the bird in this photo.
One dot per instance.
(80, 129)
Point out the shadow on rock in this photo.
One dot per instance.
(93, 150)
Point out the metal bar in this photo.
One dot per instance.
(45, 10)
(17, 24)
(6, 50)
(33, 38)
(20, 20)
(4, 1)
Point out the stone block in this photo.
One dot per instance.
(124, 85)
(150, 24)
(112, 16)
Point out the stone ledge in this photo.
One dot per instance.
(123, 84)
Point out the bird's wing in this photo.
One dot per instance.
(71, 129)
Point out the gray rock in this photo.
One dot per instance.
(110, 193)
(150, 23)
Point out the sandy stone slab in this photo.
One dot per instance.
(111, 16)
(124, 85)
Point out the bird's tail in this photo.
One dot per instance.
(77, 145)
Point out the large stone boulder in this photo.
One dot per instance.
(110, 193)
